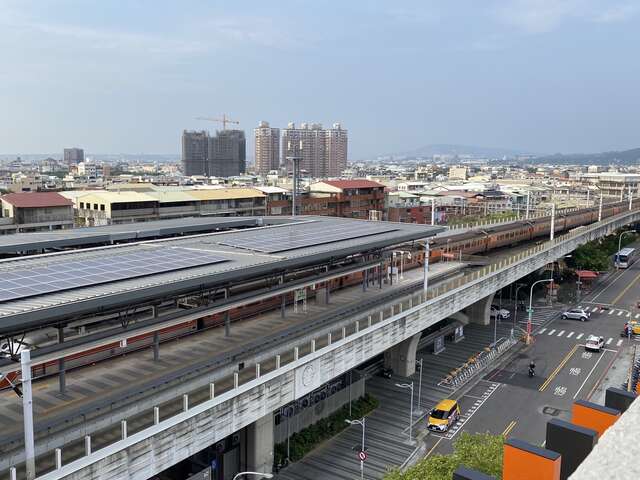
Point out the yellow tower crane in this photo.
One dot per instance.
(224, 120)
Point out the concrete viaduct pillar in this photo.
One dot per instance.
(479, 312)
(402, 357)
(260, 445)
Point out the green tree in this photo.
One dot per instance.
(480, 451)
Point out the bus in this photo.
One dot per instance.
(625, 257)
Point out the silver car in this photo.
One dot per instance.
(576, 314)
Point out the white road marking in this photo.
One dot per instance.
(585, 380)
(579, 336)
(609, 341)
(610, 312)
(620, 312)
(570, 334)
(542, 331)
(595, 309)
(580, 307)
(619, 343)
(628, 314)
(561, 333)
(637, 315)
(551, 332)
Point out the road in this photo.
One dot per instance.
(506, 401)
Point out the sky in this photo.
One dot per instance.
(127, 76)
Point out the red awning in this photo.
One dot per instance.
(586, 274)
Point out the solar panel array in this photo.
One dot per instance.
(110, 266)
(281, 239)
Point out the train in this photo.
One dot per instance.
(471, 242)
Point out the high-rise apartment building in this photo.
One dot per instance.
(223, 155)
(336, 150)
(195, 148)
(267, 148)
(227, 153)
(322, 153)
(73, 156)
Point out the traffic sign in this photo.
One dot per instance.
(362, 455)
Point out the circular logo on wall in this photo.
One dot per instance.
(308, 374)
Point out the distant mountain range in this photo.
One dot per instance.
(449, 149)
(605, 158)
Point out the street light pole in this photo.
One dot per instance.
(410, 387)
(620, 245)
(526, 216)
(360, 422)
(553, 221)
(531, 307)
(420, 389)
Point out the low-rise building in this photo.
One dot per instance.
(231, 202)
(35, 211)
(106, 208)
(344, 198)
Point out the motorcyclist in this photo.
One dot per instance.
(532, 368)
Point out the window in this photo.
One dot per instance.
(95, 206)
(102, 208)
(81, 204)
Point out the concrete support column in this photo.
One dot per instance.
(260, 445)
(227, 324)
(156, 346)
(402, 357)
(479, 311)
(61, 365)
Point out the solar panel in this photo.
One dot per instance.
(290, 237)
(108, 267)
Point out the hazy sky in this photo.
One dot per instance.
(127, 76)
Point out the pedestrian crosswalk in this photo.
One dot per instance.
(574, 335)
(606, 310)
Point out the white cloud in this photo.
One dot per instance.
(541, 16)
(618, 13)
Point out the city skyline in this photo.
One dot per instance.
(504, 74)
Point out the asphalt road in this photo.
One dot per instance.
(506, 401)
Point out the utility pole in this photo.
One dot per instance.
(27, 412)
(630, 198)
(553, 221)
(433, 211)
(426, 268)
(600, 208)
(526, 216)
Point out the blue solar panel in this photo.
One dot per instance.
(308, 234)
(109, 266)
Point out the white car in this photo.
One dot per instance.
(594, 343)
(576, 314)
(500, 313)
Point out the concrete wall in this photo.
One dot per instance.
(152, 450)
(318, 411)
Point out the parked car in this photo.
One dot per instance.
(500, 313)
(594, 343)
(445, 414)
(576, 314)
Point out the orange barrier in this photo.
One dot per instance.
(593, 416)
(523, 461)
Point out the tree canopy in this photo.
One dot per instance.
(480, 451)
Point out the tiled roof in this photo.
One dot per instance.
(353, 184)
(37, 200)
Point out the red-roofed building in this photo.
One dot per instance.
(35, 211)
(344, 198)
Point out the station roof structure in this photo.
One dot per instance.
(34, 291)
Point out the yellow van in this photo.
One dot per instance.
(445, 414)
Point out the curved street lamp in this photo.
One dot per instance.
(263, 475)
